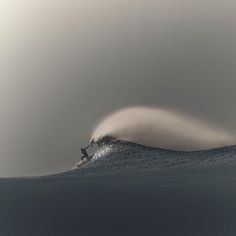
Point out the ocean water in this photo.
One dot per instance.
(127, 189)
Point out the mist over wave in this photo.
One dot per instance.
(161, 128)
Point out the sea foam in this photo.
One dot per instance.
(161, 128)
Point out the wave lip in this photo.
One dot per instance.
(160, 128)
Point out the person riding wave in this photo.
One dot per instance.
(84, 152)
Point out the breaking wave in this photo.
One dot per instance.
(161, 128)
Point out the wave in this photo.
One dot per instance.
(119, 158)
(161, 128)
(117, 154)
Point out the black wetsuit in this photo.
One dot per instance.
(84, 152)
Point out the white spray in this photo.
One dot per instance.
(161, 128)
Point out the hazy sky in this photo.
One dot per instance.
(66, 64)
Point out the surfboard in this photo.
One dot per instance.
(82, 162)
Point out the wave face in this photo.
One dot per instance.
(122, 157)
(127, 189)
(161, 128)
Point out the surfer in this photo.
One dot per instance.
(84, 152)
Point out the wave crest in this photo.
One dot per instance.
(160, 128)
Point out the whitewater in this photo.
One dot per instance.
(163, 128)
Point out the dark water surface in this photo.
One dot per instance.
(127, 189)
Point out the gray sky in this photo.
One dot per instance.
(65, 64)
